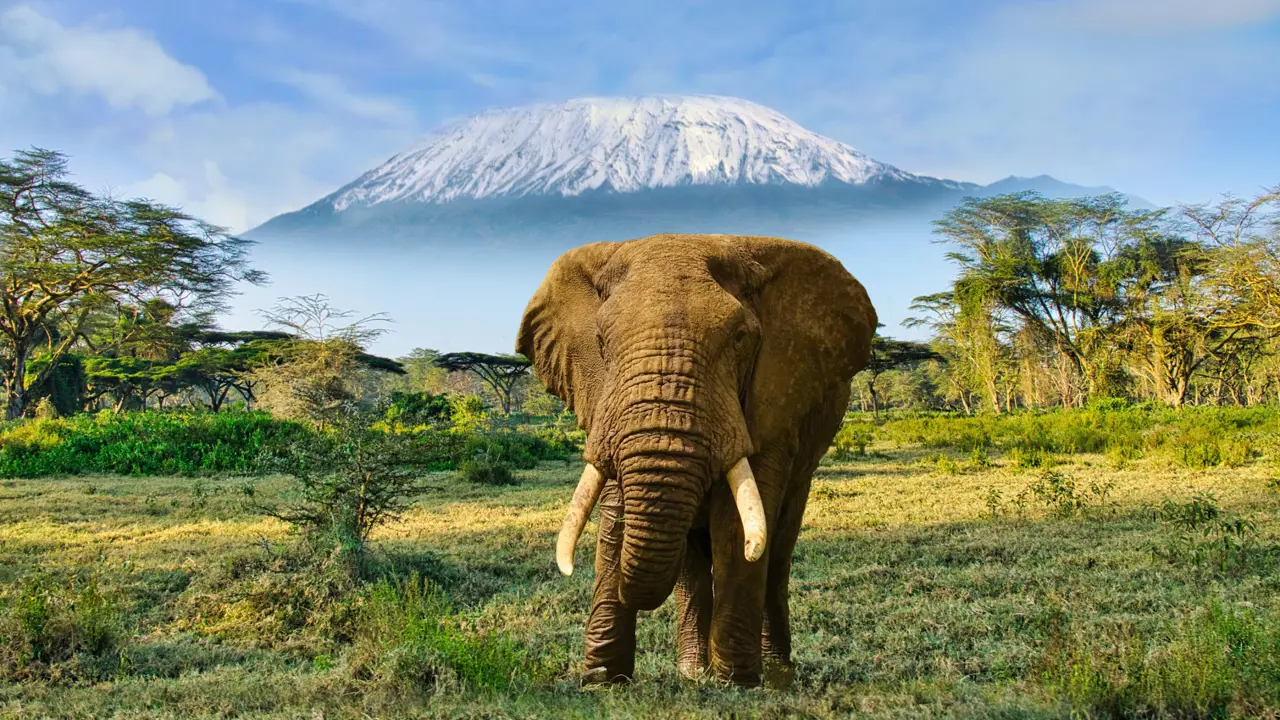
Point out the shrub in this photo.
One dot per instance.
(351, 479)
(1201, 535)
(143, 443)
(851, 440)
(1235, 453)
(1219, 662)
(483, 472)
(72, 632)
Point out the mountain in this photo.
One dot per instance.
(612, 168)
(454, 234)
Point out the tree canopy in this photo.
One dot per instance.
(66, 254)
(499, 372)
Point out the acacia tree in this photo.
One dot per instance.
(890, 354)
(65, 252)
(312, 375)
(1059, 265)
(499, 372)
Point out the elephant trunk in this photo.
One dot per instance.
(661, 494)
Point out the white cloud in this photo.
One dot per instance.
(239, 166)
(330, 91)
(211, 199)
(123, 66)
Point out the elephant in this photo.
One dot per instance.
(710, 373)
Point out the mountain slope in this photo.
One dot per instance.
(612, 144)
(624, 167)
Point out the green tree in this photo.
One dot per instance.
(890, 354)
(65, 252)
(1061, 266)
(315, 373)
(500, 372)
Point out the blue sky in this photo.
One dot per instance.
(238, 110)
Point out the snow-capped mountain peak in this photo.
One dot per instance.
(613, 145)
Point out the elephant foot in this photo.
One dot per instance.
(778, 674)
(692, 669)
(599, 676)
(742, 677)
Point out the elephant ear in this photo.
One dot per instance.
(816, 326)
(558, 330)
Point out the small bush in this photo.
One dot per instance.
(946, 465)
(1203, 536)
(1235, 453)
(351, 479)
(851, 441)
(72, 632)
(485, 472)
(1120, 455)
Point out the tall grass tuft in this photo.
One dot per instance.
(409, 641)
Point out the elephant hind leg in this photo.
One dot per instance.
(693, 604)
(611, 627)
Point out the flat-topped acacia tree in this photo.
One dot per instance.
(499, 372)
(64, 252)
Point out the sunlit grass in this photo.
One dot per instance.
(909, 597)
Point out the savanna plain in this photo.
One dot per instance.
(1105, 562)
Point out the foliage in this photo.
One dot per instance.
(1203, 536)
(410, 642)
(405, 410)
(499, 372)
(487, 472)
(144, 443)
(851, 440)
(60, 631)
(68, 254)
(351, 478)
(1218, 662)
(315, 373)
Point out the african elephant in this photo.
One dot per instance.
(710, 373)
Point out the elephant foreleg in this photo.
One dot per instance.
(776, 642)
(693, 604)
(737, 615)
(611, 627)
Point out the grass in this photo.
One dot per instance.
(922, 587)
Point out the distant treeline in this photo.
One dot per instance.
(1061, 301)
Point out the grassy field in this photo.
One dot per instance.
(924, 586)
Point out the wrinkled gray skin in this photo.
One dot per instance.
(681, 355)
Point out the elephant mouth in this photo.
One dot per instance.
(652, 535)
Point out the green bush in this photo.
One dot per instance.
(1219, 662)
(1196, 436)
(487, 472)
(142, 443)
(852, 440)
(69, 631)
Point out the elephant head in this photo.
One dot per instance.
(680, 356)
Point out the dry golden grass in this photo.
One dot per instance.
(909, 598)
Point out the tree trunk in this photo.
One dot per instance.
(16, 405)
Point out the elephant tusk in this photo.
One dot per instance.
(746, 495)
(584, 499)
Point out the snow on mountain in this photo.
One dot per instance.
(613, 145)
